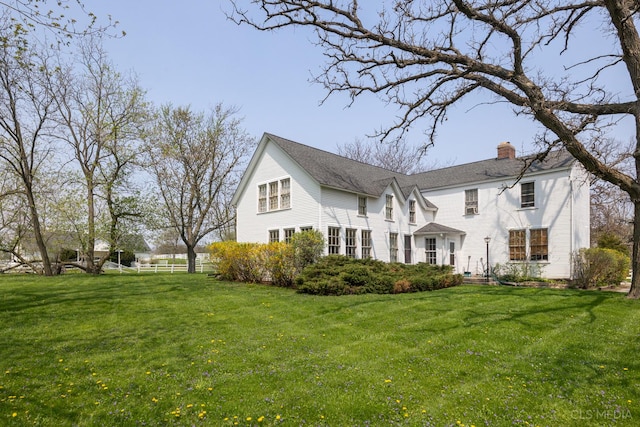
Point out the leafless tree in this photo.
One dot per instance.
(26, 109)
(397, 155)
(427, 56)
(101, 116)
(196, 160)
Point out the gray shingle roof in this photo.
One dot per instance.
(336, 171)
(489, 170)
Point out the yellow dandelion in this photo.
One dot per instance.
(15, 414)
(249, 418)
(387, 380)
(261, 419)
(278, 417)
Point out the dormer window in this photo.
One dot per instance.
(412, 211)
(388, 209)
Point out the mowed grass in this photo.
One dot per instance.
(157, 350)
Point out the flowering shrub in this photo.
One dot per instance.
(242, 262)
(276, 262)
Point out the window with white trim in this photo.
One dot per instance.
(333, 240)
(517, 245)
(274, 236)
(350, 242)
(539, 244)
(471, 201)
(285, 193)
(393, 247)
(412, 211)
(527, 195)
(274, 195)
(366, 244)
(430, 247)
(262, 198)
(362, 205)
(388, 208)
(288, 234)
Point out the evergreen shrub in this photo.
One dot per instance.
(340, 275)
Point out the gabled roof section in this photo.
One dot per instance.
(490, 170)
(332, 170)
(435, 228)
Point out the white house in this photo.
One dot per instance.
(451, 216)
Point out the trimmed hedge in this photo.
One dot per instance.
(340, 275)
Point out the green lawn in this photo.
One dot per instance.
(155, 350)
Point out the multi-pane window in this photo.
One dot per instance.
(412, 211)
(274, 195)
(388, 209)
(285, 193)
(274, 236)
(366, 244)
(350, 241)
(471, 202)
(288, 234)
(362, 205)
(527, 195)
(430, 247)
(517, 245)
(262, 198)
(333, 240)
(306, 228)
(393, 247)
(539, 244)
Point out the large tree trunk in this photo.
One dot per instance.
(634, 292)
(37, 231)
(191, 259)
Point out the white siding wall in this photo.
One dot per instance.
(340, 209)
(305, 196)
(561, 202)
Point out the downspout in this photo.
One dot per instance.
(571, 226)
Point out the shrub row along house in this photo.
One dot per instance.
(451, 216)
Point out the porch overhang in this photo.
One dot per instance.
(435, 228)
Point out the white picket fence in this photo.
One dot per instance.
(170, 268)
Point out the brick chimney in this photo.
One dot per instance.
(506, 151)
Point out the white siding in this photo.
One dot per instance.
(340, 209)
(561, 204)
(305, 196)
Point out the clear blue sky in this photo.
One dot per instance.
(188, 53)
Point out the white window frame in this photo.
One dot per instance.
(333, 240)
(365, 243)
(388, 207)
(393, 247)
(274, 235)
(471, 201)
(362, 205)
(527, 195)
(351, 242)
(412, 211)
(274, 195)
(431, 250)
